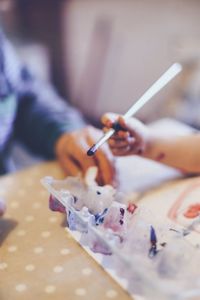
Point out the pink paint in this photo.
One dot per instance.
(160, 156)
(131, 207)
(116, 227)
(193, 211)
(99, 247)
(55, 205)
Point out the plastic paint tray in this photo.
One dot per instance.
(134, 276)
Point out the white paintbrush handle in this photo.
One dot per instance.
(148, 95)
(154, 89)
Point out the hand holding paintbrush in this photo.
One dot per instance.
(127, 136)
(156, 87)
(134, 137)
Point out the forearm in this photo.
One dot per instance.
(41, 116)
(42, 119)
(181, 152)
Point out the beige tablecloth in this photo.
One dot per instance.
(38, 258)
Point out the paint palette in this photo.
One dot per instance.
(148, 256)
(186, 209)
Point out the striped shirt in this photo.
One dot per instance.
(30, 110)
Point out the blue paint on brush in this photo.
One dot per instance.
(153, 240)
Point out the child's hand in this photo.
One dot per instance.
(132, 139)
(71, 149)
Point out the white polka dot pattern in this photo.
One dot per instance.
(14, 204)
(53, 219)
(20, 287)
(36, 205)
(38, 250)
(49, 289)
(58, 269)
(65, 251)
(21, 232)
(12, 248)
(3, 266)
(111, 294)
(45, 234)
(39, 257)
(87, 271)
(80, 292)
(30, 268)
(29, 218)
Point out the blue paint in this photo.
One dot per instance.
(153, 240)
(99, 218)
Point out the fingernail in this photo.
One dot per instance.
(122, 121)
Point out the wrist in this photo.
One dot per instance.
(149, 143)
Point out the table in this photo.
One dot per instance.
(38, 258)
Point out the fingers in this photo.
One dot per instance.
(122, 122)
(69, 166)
(125, 146)
(121, 143)
(108, 119)
(104, 161)
(132, 139)
(71, 153)
(105, 165)
(78, 153)
(119, 134)
(111, 120)
(72, 157)
(121, 151)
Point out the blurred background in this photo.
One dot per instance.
(102, 55)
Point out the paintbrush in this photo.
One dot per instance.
(155, 88)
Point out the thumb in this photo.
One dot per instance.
(108, 119)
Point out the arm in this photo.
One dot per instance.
(42, 117)
(41, 114)
(181, 152)
(50, 127)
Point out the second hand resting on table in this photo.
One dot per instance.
(71, 150)
(181, 152)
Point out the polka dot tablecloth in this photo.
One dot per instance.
(38, 258)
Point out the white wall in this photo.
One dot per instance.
(115, 49)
